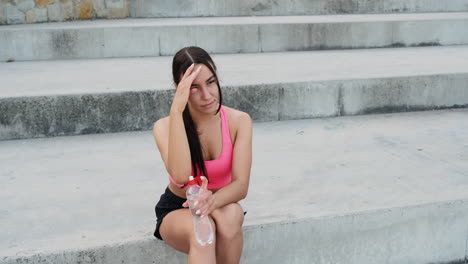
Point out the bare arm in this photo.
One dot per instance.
(170, 135)
(178, 158)
(241, 165)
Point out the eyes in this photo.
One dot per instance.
(196, 86)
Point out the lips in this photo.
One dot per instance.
(208, 105)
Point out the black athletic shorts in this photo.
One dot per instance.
(167, 203)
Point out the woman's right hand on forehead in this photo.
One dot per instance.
(183, 89)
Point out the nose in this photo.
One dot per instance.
(205, 94)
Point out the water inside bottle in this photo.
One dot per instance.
(204, 231)
(202, 225)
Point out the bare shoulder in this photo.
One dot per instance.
(240, 124)
(161, 125)
(237, 117)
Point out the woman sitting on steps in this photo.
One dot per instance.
(202, 137)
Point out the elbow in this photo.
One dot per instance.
(244, 192)
(180, 177)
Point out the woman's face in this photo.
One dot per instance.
(204, 94)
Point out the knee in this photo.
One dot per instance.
(229, 220)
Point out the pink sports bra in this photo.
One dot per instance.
(219, 170)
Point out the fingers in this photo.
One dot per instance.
(204, 182)
(191, 73)
(183, 90)
(186, 82)
(188, 71)
(208, 207)
(205, 202)
(195, 73)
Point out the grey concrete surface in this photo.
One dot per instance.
(387, 188)
(56, 98)
(164, 36)
(195, 8)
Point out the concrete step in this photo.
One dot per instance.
(387, 188)
(196, 8)
(56, 98)
(165, 36)
(31, 11)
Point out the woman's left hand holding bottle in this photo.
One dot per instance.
(205, 201)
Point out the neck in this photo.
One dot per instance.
(201, 119)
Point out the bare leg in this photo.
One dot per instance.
(229, 236)
(177, 231)
(202, 254)
(229, 250)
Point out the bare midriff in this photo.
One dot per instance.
(181, 191)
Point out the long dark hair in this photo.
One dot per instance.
(182, 60)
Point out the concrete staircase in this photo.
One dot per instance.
(380, 188)
(39, 11)
(387, 188)
(204, 8)
(164, 36)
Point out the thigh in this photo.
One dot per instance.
(176, 229)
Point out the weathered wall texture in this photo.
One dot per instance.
(36, 11)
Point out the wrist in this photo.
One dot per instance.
(175, 112)
(216, 204)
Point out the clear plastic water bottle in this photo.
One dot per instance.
(202, 225)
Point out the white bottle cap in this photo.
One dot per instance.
(190, 178)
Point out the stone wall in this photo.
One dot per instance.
(36, 11)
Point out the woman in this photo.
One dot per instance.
(202, 137)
